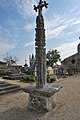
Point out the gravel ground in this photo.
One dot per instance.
(14, 106)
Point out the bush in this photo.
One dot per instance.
(28, 78)
(52, 79)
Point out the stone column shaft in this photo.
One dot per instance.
(40, 67)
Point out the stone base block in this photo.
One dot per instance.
(41, 98)
(38, 102)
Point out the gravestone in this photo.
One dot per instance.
(41, 95)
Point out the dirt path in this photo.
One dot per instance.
(69, 99)
(14, 106)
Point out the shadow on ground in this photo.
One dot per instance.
(26, 114)
(21, 114)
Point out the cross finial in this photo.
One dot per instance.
(40, 6)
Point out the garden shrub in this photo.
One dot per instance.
(52, 79)
(28, 78)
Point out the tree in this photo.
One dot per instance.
(52, 57)
(10, 60)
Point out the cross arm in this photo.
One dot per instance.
(35, 8)
(45, 4)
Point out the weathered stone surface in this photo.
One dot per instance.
(48, 90)
(40, 46)
(41, 99)
(37, 102)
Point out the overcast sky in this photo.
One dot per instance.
(17, 27)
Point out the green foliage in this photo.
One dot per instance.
(28, 78)
(52, 79)
(52, 57)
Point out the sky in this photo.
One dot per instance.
(18, 22)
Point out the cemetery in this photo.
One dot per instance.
(43, 91)
(14, 105)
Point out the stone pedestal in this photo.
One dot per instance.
(38, 102)
(41, 99)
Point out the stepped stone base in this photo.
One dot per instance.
(8, 88)
(41, 99)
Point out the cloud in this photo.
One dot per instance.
(2, 29)
(60, 25)
(5, 47)
(68, 49)
(7, 41)
(56, 32)
(29, 44)
(28, 27)
(7, 35)
(76, 22)
(25, 7)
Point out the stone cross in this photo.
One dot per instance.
(41, 95)
(40, 46)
